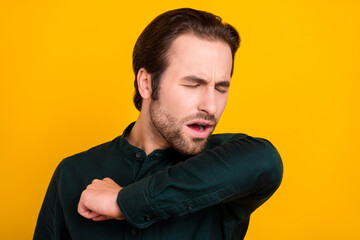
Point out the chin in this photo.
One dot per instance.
(193, 146)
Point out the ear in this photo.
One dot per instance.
(144, 83)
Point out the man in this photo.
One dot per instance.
(167, 177)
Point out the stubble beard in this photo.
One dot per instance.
(170, 129)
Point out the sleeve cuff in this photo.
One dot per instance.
(134, 203)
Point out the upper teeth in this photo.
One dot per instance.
(201, 127)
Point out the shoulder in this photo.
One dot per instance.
(75, 172)
(96, 152)
(92, 163)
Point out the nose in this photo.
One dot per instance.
(207, 101)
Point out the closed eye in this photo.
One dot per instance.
(222, 89)
(191, 86)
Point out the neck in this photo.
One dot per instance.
(145, 136)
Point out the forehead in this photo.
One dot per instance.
(190, 54)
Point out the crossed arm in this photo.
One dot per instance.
(241, 168)
(98, 201)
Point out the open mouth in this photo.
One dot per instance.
(197, 127)
(200, 128)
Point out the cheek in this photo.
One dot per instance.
(221, 104)
(179, 99)
(177, 103)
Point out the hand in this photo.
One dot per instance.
(98, 201)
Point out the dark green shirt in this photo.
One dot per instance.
(166, 195)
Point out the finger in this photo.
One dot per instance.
(95, 180)
(85, 212)
(101, 218)
(107, 179)
(93, 215)
(81, 209)
(88, 214)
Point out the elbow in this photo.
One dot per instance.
(271, 173)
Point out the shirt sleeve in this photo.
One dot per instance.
(51, 223)
(243, 168)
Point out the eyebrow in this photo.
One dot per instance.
(198, 80)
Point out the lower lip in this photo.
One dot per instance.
(200, 134)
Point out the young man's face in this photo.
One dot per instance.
(193, 92)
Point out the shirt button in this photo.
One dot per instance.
(157, 154)
(133, 232)
(189, 207)
(147, 218)
(138, 154)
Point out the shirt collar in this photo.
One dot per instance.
(133, 152)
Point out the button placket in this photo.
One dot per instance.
(138, 155)
(133, 232)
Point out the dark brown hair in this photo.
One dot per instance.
(151, 48)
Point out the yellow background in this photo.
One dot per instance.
(66, 85)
